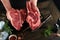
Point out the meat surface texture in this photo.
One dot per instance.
(33, 16)
(16, 17)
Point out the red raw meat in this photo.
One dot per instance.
(33, 16)
(16, 18)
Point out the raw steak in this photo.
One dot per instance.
(33, 15)
(16, 18)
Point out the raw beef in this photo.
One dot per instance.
(33, 16)
(16, 18)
